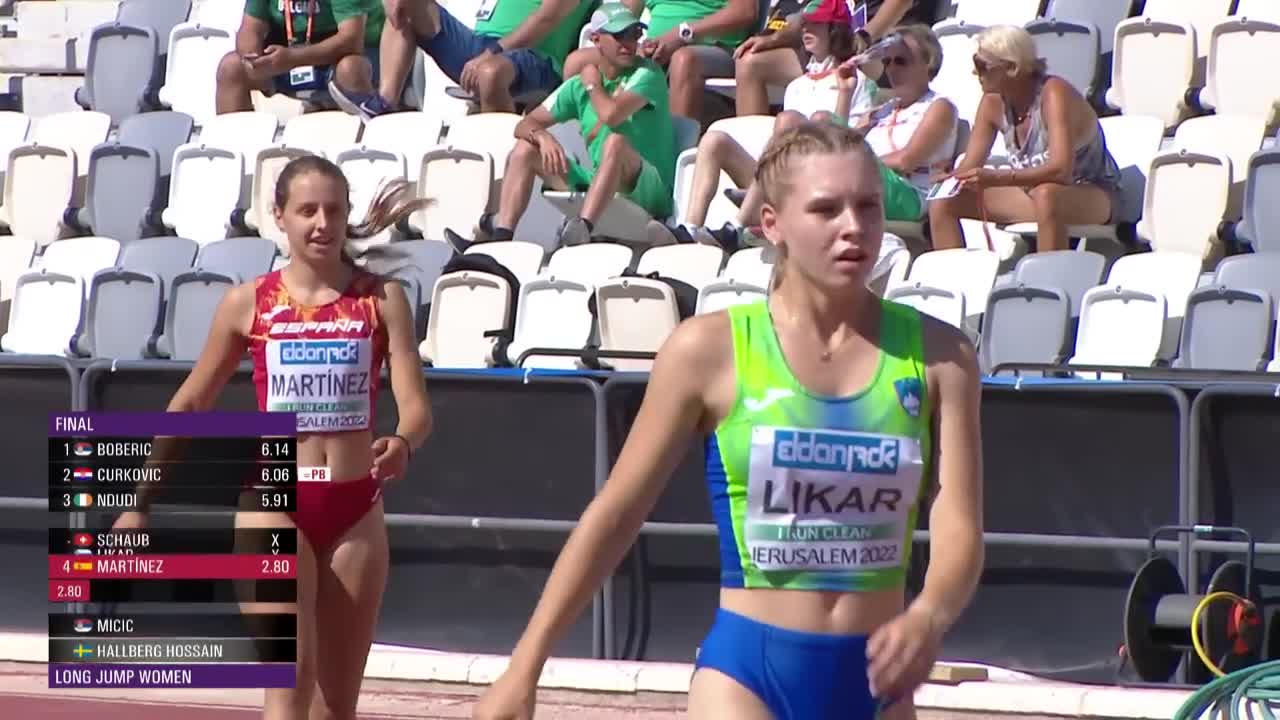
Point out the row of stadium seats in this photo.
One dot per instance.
(1177, 57)
(155, 297)
(94, 297)
(152, 179)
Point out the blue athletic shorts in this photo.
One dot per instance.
(798, 675)
(455, 44)
(322, 75)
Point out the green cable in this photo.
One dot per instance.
(1259, 684)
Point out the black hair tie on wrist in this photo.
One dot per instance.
(408, 445)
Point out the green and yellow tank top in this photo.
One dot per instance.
(812, 492)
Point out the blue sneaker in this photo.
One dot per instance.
(365, 105)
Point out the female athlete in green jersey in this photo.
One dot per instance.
(830, 415)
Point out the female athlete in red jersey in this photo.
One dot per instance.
(318, 331)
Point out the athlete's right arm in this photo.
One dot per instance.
(224, 348)
(675, 410)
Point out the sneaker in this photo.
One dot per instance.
(459, 243)
(657, 233)
(575, 232)
(366, 106)
(728, 237)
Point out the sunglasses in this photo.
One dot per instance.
(629, 35)
(982, 67)
(899, 60)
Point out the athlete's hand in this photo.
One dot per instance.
(132, 520)
(901, 654)
(509, 698)
(390, 458)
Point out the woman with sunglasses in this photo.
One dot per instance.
(1060, 172)
(911, 128)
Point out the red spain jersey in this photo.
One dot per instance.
(321, 362)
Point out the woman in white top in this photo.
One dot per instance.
(911, 128)
(824, 93)
(914, 132)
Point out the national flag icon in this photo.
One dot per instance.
(82, 539)
(83, 449)
(83, 474)
(82, 651)
(83, 551)
(82, 500)
(84, 625)
(82, 566)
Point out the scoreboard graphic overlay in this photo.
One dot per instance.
(117, 595)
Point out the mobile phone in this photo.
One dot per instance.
(943, 190)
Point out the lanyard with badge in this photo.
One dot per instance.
(486, 9)
(302, 77)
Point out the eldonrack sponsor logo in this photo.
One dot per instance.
(835, 453)
(320, 352)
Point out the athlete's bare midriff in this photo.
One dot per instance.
(348, 455)
(816, 611)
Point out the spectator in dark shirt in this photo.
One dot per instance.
(297, 46)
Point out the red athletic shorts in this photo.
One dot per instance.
(327, 510)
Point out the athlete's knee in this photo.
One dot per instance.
(1048, 200)
(947, 209)
(617, 147)
(823, 116)
(231, 71)
(494, 76)
(354, 71)
(715, 143)
(685, 66)
(788, 119)
(524, 155)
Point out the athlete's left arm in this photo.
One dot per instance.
(407, 382)
(955, 520)
(901, 653)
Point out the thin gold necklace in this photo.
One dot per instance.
(824, 353)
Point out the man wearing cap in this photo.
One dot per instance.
(773, 58)
(693, 39)
(620, 102)
(517, 49)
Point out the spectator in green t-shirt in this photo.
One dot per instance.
(620, 102)
(516, 49)
(326, 39)
(693, 39)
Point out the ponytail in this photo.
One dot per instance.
(394, 202)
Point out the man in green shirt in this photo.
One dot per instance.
(517, 48)
(297, 46)
(693, 39)
(621, 104)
